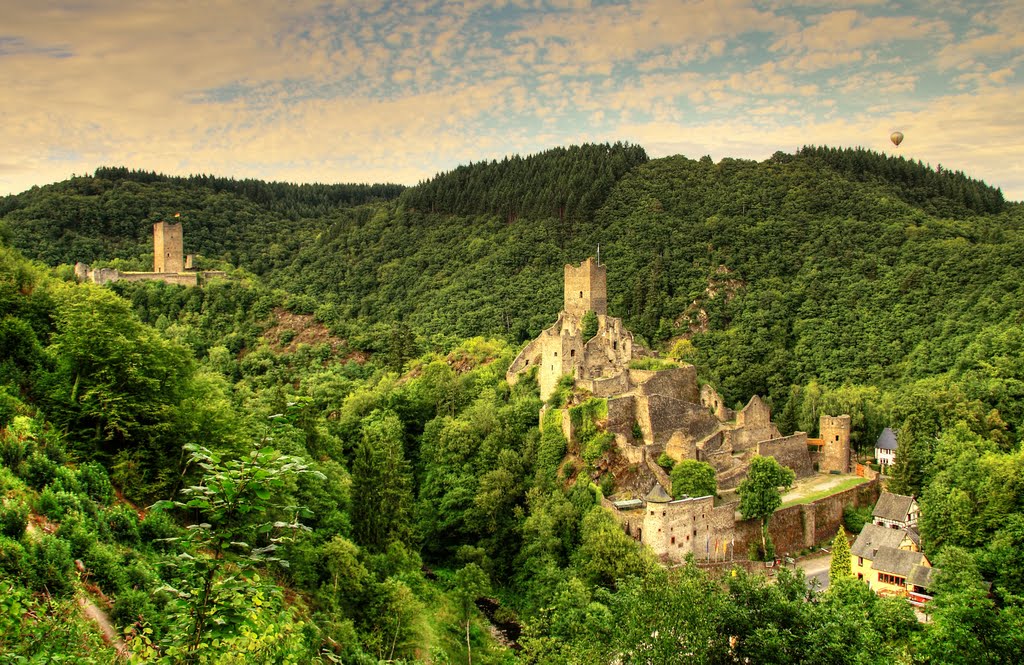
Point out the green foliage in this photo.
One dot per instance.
(666, 462)
(760, 496)
(51, 565)
(841, 564)
(13, 517)
(854, 519)
(239, 503)
(589, 325)
(693, 478)
(652, 364)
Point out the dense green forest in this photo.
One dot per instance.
(319, 459)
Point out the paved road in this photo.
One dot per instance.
(815, 567)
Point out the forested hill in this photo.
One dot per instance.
(567, 183)
(108, 215)
(831, 264)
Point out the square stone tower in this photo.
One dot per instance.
(586, 288)
(168, 255)
(834, 432)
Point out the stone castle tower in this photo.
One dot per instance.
(834, 432)
(586, 288)
(561, 350)
(168, 253)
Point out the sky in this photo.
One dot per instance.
(379, 91)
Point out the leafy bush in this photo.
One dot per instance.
(156, 527)
(138, 575)
(78, 532)
(666, 462)
(51, 566)
(65, 480)
(38, 470)
(13, 559)
(133, 606)
(607, 484)
(589, 324)
(854, 519)
(55, 504)
(13, 518)
(104, 565)
(597, 446)
(13, 449)
(95, 482)
(123, 523)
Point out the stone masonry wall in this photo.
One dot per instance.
(790, 451)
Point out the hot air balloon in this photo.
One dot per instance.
(896, 138)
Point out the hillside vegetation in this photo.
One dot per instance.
(397, 474)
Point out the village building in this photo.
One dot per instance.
(170, 263)
(885, 448)
(887, 553)
(896, 511)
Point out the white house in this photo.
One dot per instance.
(885, 448)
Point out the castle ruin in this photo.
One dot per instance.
(651, 412)
(169, 262)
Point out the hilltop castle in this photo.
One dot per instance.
(651, 412)
(170, 264)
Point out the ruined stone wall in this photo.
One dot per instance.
(606, 386)
(710, 398)
(585, 288)
(678, 382)
(621, 416)
(789, 451)
(608, 352)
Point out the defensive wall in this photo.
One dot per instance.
(789, 451)
(718, 533)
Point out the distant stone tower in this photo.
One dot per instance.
(834, 432)
(168, 254)
(586, 288)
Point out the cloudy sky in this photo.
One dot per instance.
(372, 90)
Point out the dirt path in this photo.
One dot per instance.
(110, 634)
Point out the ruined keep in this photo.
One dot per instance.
(168, 251)
(561, 350)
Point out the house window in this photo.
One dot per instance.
(556, 354)
(581, 294)
(886, 578)
(860, 561)
(673, 540)
(837, 437)
(860, 576)
(663, 513)
(615, 345)
(572, 353)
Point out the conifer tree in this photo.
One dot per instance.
(841, 558)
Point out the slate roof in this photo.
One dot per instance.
(922, 576)
(887, 441)
(874, 537)
(897, 562)
(658, 495)
(893, 507)
(628, 504)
